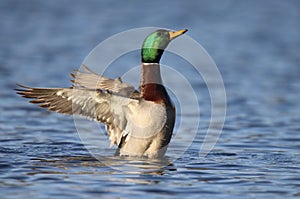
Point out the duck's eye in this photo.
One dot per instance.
(159, 33)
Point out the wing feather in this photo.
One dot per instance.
(88, 79)
(99, 105)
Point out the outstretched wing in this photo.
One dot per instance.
(89, 79)
(99, 105)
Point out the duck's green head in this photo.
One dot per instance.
(155, 44)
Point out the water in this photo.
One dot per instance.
(256, 47)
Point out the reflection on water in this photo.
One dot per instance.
(111, 165)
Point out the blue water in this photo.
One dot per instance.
(256, 47)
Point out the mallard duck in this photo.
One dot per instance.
(140, 122)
